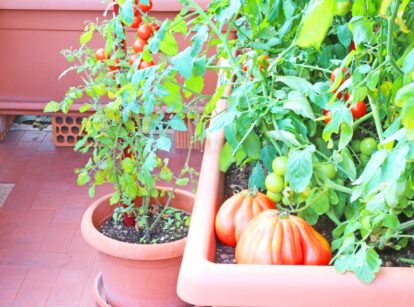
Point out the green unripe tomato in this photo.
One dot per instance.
(276, 197)
(328, 170)
(364, 158)
(274, 183)
(99, 89)
(279, 165)
(342, 8)
(356, 146)
(368, 146)
(89, 91)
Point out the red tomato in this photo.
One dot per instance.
(352, 46)
(336, 71)
(100, 54)
(132, 59)
(236, 212)
(129, 220)
(115, 67)
(346, 96)
(136, 22)
(359, 110)
(139, 45)
(273, 238)
(155, 27)
(145, 8)
(263, 62)
(145, 64)
(144, 32)
(328, 116)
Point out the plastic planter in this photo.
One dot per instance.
(205, 283)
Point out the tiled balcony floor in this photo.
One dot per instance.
(44, 260)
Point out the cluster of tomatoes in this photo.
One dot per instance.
(358, 110)
(143, 32)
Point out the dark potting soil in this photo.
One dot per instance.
(172, 226)
(237, 179)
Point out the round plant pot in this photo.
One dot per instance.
(136, 274)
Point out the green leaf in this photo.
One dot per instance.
(183, 62)
(115, 198)
(180, 26)
(300, 168)
(252, 145)
(182, 181)
(195, 84)
(166, 174)
(318, 201)
(407, 116)
(169, 45)
(87, 35)
(91, 191)
(177, 124)
(315, 23)
(174, 99)
(164, 143)
(52, 106)
(391, 221)
(348, 164)
(309, 215)
(404, 95)
(83, 178)
(226, 157)
(267, 154)
(257, 177)
(297, 84)
(344, 35)
(284, 136)
(126, 12)
(86, 107)
(99, 178)
(128, 165)
(298, 103)
(362, 29)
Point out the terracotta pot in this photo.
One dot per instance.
(136, 274)
(203, 282)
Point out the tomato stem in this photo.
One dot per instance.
(377, 120)
(391, 21)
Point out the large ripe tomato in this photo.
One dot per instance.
(335, 73)
(145, 8)
(100, 54)
(136, 22)
(275, 238)
(359, 110)
(144, 32)
(236, 212)
(145, 64)
(139, 45)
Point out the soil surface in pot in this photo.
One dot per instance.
(172, 226)
(237, 179)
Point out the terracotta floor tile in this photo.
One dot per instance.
(41, 276)
(33, 136)
(24, 151)
(32, 295)
(58, 237)
(22, 250)
(35, 222)
(87, 297)
(47, 144)
(11, 278)
(80, 255)
(75, 280)
(11, 139)
(11, 171)
(46, 260)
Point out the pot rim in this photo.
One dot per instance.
(127, 250)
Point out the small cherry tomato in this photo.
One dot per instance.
(139, 45)
(279, 165)
(145, 8)
(335, 73)
(100, 54)
(346, 96)
(144, 32)
(328, 170)
(359, 110)
(132, 59)
(274, 183)
(368, 146)
(275, 197)
(115, 67)
(155, 27)
(327, 114)
(263, 62)
(145, 64)
(352, 46)
(136, 22)
(356, 146)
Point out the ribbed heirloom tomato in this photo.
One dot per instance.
(236, 212)
(276, 238)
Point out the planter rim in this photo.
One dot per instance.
(82, 5)
(203, 282)
(126, 250)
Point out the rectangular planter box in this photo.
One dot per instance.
(205, 283)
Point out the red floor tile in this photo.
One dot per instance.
(58, 238)
(41, 276)
(22, 250)
(33, 136)
(11, 171)
(35, 222)
(11, 278)
(32, 295)
(75, 280)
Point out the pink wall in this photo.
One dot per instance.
(32, 34)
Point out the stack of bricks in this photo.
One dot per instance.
(6, 121)
(66, 129)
